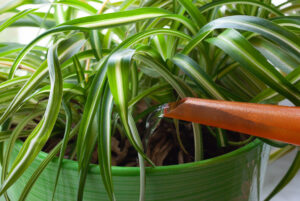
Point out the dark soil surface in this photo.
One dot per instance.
(162, 147)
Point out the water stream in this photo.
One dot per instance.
(152, 122)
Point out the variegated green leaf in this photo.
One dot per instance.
(276, 55)
(13, 137)
(234, 44)
(29, 46)
(270, 94)
(104, 141)
(194, 12)
(43, 165)
(5, 135)
(35, 79)
(126, 17)
(196, 73)
(260, 4)
(96, 44)
(68, 112)
(266, 28)
(89, 143)
(155, 31)
(79, 71)
(183, 91)
(41, 133)
(118, 77)
(67, 88)
(90, 110)
(136, 137)
(291, 22)
(10, 5)
(80, 5)
(15, 18)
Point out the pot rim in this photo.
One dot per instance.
(135, 171)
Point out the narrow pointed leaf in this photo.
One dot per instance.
(87, 151)
(196, 73)
(262, 5)
(180, 89)
(117, 18)
(29, 46)
(164, 72)
(104, 141)
(90, 109)
(34, 80)
(269, 94)
(126, 17)
(80, 5)
(15, 18)
(31, 181)
(79, 71)
(194, 12)
(23, 64)
(234, 44)
(59, 13)
(67, 88)
(13, 137)
(118, 77)
(35, 19)
(136, 137)
(96, 43)
(266, 28)
(277, 56)
(159, 41)
(145, 34)
(147, 92)
(5, 135)
(290, 22)
(68, 112)
(41, 133)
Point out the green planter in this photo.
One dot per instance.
(234, 176)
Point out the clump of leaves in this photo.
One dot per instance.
(95, 69)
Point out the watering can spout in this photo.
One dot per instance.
(274, 122)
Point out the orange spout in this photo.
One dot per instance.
(267, 121)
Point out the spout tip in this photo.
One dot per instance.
(168, 107)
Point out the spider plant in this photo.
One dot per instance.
(104, 57)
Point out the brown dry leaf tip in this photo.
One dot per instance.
(102, 7)
(20, 66)
(25, 68)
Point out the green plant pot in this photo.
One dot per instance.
(236, 176)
